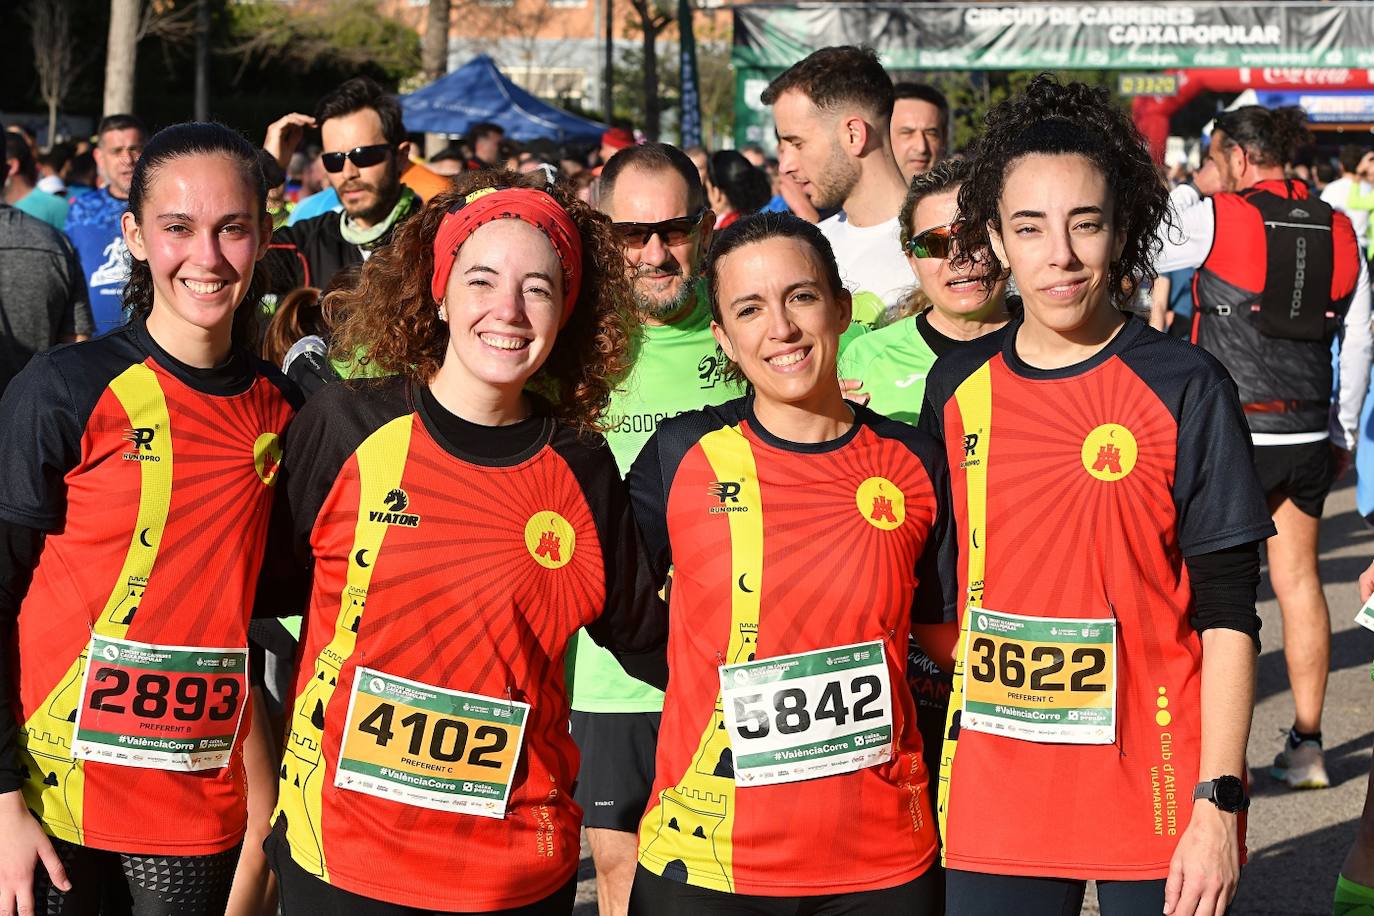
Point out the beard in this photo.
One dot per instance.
(834, 185)
(383, 196)
(661, 308)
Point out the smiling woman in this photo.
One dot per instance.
(769, 509)
(140, 473)
(461, 521)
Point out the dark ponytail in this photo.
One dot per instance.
(1269, 136)
(196, 138)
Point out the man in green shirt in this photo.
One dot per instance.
(654, 195)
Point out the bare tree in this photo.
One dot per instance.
(130, 23)
(121, 56)
(434, 57)
(527, 34)
(653, 18)
(54, 54)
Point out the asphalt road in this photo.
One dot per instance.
(1297, 840)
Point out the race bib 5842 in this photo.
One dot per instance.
(812, 714)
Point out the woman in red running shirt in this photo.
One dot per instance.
(462, 520)
(140, 469)
(1109, 521)
(807, 536)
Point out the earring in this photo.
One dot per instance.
(443, 315)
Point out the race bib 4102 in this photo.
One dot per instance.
(160, 707)
(1049, 679)
(430, 747)
(808, 715)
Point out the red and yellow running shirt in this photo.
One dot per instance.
(429, 762)
(782, 777)
(153, 483)
(1078, 493)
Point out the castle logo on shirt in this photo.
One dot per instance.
(1110, 452)
(550, 539)
(880, 503)
(397, 501)
(267, 457)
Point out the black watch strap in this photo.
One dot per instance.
(1226, 792)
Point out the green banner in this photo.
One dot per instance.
(1053, 36)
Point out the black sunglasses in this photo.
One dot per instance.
(671, 231)
(936, 242)
(361, 156)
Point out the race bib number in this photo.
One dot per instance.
(1365, 617)
(1044, 679)
(808, 715)
(430, 747)
(160, 707)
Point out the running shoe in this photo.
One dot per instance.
(1301, 767)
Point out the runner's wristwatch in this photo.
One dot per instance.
(1226, 792)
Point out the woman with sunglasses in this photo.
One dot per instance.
(735, 187)
(789, 775)
(958, 300)
(461, 520)
(1110, 520)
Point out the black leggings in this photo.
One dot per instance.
(653, 895)
(973, 894)
(120, 884)
(303, 894)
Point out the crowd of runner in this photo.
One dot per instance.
(835, 539)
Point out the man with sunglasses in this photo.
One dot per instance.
(365, 152)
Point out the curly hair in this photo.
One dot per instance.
(392, 319)
(1053, 118)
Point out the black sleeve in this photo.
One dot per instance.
(1224, 584)
(19, 550)
(649, 497)
(1216, 493)
(937, 571)
(931, 420)
(42, 442)
(633, 625)
(284, 580)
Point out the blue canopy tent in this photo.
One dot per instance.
(477, 91)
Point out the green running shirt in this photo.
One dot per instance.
(892, 363)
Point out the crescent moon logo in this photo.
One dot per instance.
(974, 537)
(742, 586)
(361, 557)
(143, 538)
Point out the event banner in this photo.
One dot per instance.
(1060, 36)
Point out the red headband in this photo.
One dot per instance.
(534, 207)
